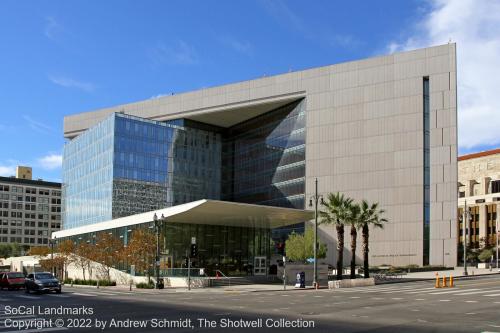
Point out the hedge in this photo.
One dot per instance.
(103, 283)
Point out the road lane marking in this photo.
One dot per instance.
(27, 297)
(82, 294)
(49, 329)
(420, 291)
(479, 292)
(492, 295)
(445, 300)
(471, 301)
(451, 292)
(4, 316)
(397, 298)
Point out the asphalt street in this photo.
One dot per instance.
(471, 306)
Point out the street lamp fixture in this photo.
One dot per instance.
(316, 198)
(52, 243)
(465, 218)
(157, 225)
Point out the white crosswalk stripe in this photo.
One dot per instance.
(58, 295)
(452, 291)
(479, 292)
(83, 294)
(49, 329)
(27, 297)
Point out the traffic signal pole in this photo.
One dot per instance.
(189, 273)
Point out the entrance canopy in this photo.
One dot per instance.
(209, 212)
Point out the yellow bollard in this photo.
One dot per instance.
(444, 281)
(437, 281)
(451, 281)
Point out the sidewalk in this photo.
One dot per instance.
(456, 273)
(228, 289)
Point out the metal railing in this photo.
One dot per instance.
(223, 276)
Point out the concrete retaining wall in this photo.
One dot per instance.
(350, 283)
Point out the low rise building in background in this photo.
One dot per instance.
(479, 189)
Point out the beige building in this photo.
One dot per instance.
(479, 188)
(382, 129)
(30, 210)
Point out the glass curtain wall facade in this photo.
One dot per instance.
(127, 165)
(228, 249)
(427, 173)
(264, 159)
(88, 176)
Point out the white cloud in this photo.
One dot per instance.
(50, 162)
(37, 125)
(475, 27)
(7, 170)
(180, 53)
(241, 46)
(67, 82)
(52, 28)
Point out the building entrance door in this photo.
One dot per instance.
(259, 267)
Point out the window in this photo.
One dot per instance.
(4, 188)
(495, 186)
(29, 216)
(30, 190)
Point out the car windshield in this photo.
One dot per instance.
(15, 275)
(44, 276)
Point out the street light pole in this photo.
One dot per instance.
(316, 198)
(497, 224)
(52, 243)
(465, 232)
(157, 261)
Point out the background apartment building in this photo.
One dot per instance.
(479, 187)
(30, 210)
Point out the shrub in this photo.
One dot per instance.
(145, 285)
(485, 255)
(82, 282)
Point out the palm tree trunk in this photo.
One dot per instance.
(365, 234)
(354, 235)
(340, 250)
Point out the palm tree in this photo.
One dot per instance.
(337, 212)
(353, 221)
(369, 215)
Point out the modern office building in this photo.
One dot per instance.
(382, 129)
(30, 210)
(479, 189)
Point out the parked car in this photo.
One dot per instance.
(11, 280)
(42, 282)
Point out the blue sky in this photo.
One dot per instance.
(64, 57)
